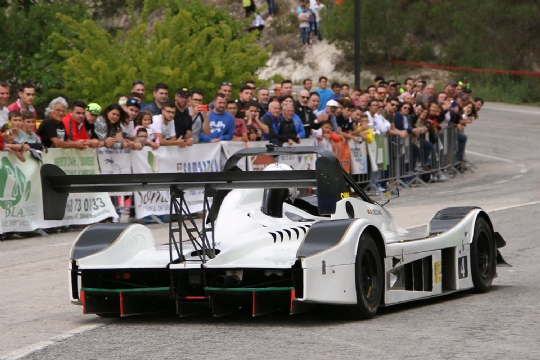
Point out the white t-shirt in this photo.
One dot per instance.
(378, 123)
(129, 129)
(167, 131)
(152, 133)
(4, 116)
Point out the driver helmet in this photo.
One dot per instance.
(282, 167)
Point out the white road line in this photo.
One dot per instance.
(62, 244)
(490, 157)
(489, 211)
(443, 192)
(17, 354)
(514, 206)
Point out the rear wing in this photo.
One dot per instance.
(331, 181)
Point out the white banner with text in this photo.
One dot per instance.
(86, 208)
(171, 159)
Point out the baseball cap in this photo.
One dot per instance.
(451, 83)
(183, 91)
(94, 109)
(332, 103)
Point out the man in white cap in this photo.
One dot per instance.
(330, 110)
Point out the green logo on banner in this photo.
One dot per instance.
(153, 161)
(13, 185)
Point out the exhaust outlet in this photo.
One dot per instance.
(227, 280)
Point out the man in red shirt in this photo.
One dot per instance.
(74, 124)
(25, 100)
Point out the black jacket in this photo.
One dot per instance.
(307, 116)
(287, 130)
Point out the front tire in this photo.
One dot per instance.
(483, 256)
(369, 278)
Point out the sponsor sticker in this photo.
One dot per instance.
(437, 272)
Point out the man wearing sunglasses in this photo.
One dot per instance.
(382, 93)
(376, 121)
(388, 113)
(138, 87)
(304, 112)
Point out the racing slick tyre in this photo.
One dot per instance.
(369, 278)
(483, 256)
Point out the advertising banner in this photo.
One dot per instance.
(359, 163)
(113, 161)
(21, 208)
(172, 159)
(377, 153)
(300, 161)
(85, 208)
(297, 162)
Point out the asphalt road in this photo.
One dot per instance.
(37, 321)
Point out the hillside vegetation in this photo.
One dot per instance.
(486, 34)
(95, 49)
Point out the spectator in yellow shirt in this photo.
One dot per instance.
(363, 129)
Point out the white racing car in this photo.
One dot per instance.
(262, 248)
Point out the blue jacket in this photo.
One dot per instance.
(399, 121)
(221, 127)
(300, 131)
(273, 124)
(325, 96)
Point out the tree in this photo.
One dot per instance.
(26, 54)
(192, 45)
(496, 34)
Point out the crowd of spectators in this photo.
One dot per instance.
(411, 108)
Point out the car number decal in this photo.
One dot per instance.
(462, 266)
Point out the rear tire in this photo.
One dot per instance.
(483, 256)
(369, 278)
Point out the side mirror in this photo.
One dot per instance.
(389, 194)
